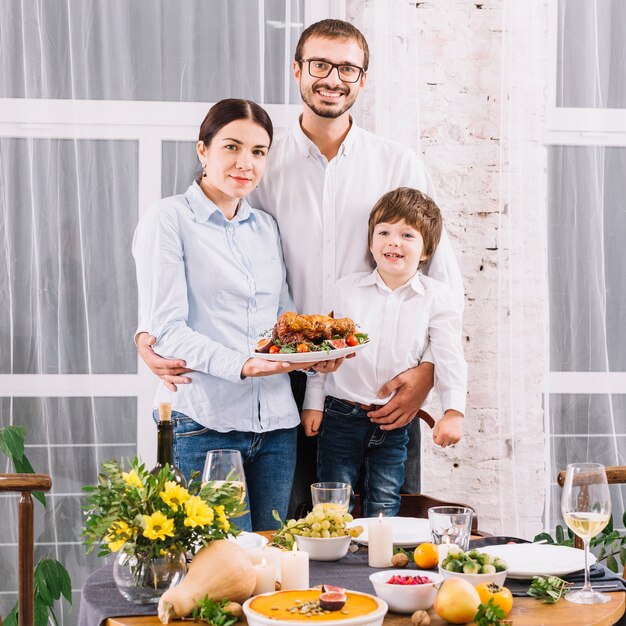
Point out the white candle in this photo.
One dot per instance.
(265, 582)
(380, 542)
(294, 569)
(270, 554)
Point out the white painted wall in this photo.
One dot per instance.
(463, 60)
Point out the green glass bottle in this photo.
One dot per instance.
(165, 444)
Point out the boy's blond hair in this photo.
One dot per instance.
(417, 209)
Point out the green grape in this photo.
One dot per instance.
(315, 534)
(316, 526)
(325, 524)
(325, 534)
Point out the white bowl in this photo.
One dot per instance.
(406, 598)
(320, 549)
(476, 579)
(375, 618)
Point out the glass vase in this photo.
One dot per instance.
(142, 580)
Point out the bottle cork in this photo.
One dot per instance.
(165, 411)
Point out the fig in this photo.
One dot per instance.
(332, 600)
(332, 589)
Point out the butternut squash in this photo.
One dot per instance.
(220, 570)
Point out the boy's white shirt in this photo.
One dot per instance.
(401, 324)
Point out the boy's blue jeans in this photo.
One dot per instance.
(351, 447)
(269, 460)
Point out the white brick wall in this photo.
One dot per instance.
(463, 60)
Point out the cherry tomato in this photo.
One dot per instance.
(274, 350)
(352, 340)
(302, 347)
(502, 597)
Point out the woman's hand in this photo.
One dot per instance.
(326, 367)
(168, 370)
(311, 421)
(261, 367)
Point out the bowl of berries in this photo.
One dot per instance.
(406, 592)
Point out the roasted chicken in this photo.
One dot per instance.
(292, 327)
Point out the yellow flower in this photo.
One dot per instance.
(119, 533)
(174, 495)
(131, 479)
(199, 513)
(158, 526)
(222, 520)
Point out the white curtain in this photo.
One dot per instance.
(586, 253)
(68, 209)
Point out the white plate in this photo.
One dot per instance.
(526, 560)
(249, 540)
(311, 357)
(408, 532)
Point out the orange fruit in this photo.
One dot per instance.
(426, 556)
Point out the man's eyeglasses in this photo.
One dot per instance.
(322, 69)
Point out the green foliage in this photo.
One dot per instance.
(609, 544)
(549, 589)
(12, 444)
(51, 579)
(148, 515)
(213, 612)
(490, 614)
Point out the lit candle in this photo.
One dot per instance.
(271, 556)
(265, 582)
(294, 569)
(380, 541)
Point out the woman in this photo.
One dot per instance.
(211, 279)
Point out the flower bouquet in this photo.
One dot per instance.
(151, 522)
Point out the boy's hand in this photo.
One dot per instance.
(168, 370)
(449, 429)
(412, 387)
(311, 421)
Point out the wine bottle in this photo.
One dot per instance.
(165, 443)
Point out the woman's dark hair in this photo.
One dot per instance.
(229, 110)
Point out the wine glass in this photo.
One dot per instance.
(225, 466)
(586, 508)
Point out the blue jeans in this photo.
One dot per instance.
(351, 448)
(269, 461)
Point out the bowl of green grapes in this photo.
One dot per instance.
(322, 533)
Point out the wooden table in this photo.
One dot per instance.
(526, 612)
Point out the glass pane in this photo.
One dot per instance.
(591, 54)
(67, 438)
(68, 298)
(180, 167)
(586, 257)
(596, 414)
(192, 51)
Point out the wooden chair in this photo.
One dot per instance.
(615, 475)
(25, 484)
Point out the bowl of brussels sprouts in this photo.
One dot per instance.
(474, 566)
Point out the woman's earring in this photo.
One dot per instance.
(204, 170)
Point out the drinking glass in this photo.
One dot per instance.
(451, 524)
(586, 508)
(225, 466)
(331, 495)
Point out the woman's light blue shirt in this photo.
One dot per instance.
(207, 288)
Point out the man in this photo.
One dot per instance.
(321, 182)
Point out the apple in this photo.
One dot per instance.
(457, 601)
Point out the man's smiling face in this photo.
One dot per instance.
(329, 97)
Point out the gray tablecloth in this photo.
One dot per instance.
(101, 599)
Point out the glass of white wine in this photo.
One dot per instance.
(586, 508)
(225, 466)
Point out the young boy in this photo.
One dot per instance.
(403, 312)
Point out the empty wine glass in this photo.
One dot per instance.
(225, 466)
(586, 508)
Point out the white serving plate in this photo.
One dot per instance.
(312, 357)
(526, 560)
(375, 618)
(407, 532)
(249, 540)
